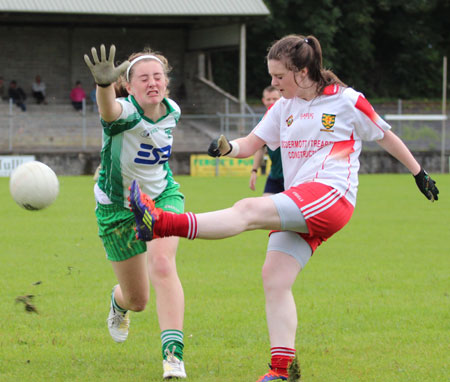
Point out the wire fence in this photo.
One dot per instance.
(61, 128)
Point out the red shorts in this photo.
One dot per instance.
(325, 210)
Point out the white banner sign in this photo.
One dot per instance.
(9, 163)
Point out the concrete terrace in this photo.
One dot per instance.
(58, 127)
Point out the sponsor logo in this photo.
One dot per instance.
(306, 116)
(147, 133)
(171, 208)
(328, 121)
(297, 196)
(151, 155)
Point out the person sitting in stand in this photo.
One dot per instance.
(38, 90)
(17, 95)
(3, 90)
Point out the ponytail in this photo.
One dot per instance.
(298, 52)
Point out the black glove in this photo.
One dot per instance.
(427, 185)
(219, 147)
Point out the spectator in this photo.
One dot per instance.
(38, 90)
(77, 95)
(3, 90)
(275, 180)
(17, 95)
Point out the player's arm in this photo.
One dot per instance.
(257, 160)
(238, 148)
(395, 146)
(105, 74)
(108, 107)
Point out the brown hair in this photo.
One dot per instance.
(269, 89)
(120, 85)
(298, 52)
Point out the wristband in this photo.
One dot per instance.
(103, 85)
(255, 171)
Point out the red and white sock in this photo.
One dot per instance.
(281, 359)
(171, 224)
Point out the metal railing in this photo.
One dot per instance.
(60, 127)
(49, 127)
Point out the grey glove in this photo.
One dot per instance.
(104, 71)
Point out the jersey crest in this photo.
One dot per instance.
(328, 121)
(290, 120)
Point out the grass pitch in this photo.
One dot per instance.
(373, 302)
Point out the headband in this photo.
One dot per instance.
(144, 57)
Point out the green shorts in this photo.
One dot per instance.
(116, 225)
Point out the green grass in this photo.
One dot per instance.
(373, 302)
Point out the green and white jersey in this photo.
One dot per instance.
(135, 147)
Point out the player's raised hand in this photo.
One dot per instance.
(103, 70)
(427, 185)
(219, 147)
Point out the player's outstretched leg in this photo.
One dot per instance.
(145, 212)
(272, 376)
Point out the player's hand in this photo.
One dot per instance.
(252, 183)
(103, 70)
(427, 185)
(219, 147)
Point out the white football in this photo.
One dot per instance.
(33, 185)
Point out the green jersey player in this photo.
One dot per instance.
(275, 180)
(137, 143)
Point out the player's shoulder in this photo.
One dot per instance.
(281, 104)
(173, 106)
(340, 90)
(127, 104)
(352, 95)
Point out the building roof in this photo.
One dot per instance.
(139, 7)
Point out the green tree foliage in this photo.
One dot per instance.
(385, 48)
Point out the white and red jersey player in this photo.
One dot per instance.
(321, 139)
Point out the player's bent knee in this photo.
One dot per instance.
(273, 280)
(248, 210)
(137, 303)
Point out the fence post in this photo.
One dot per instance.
(222, 123)
(83, 121)
(10, 122)
(227, 118)
(444, 112)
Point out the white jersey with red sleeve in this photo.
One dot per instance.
(321, 139)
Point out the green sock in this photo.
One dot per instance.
(171, 338)
(116, 305)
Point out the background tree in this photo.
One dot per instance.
(385, 48)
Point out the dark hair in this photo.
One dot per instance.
(298, 52)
